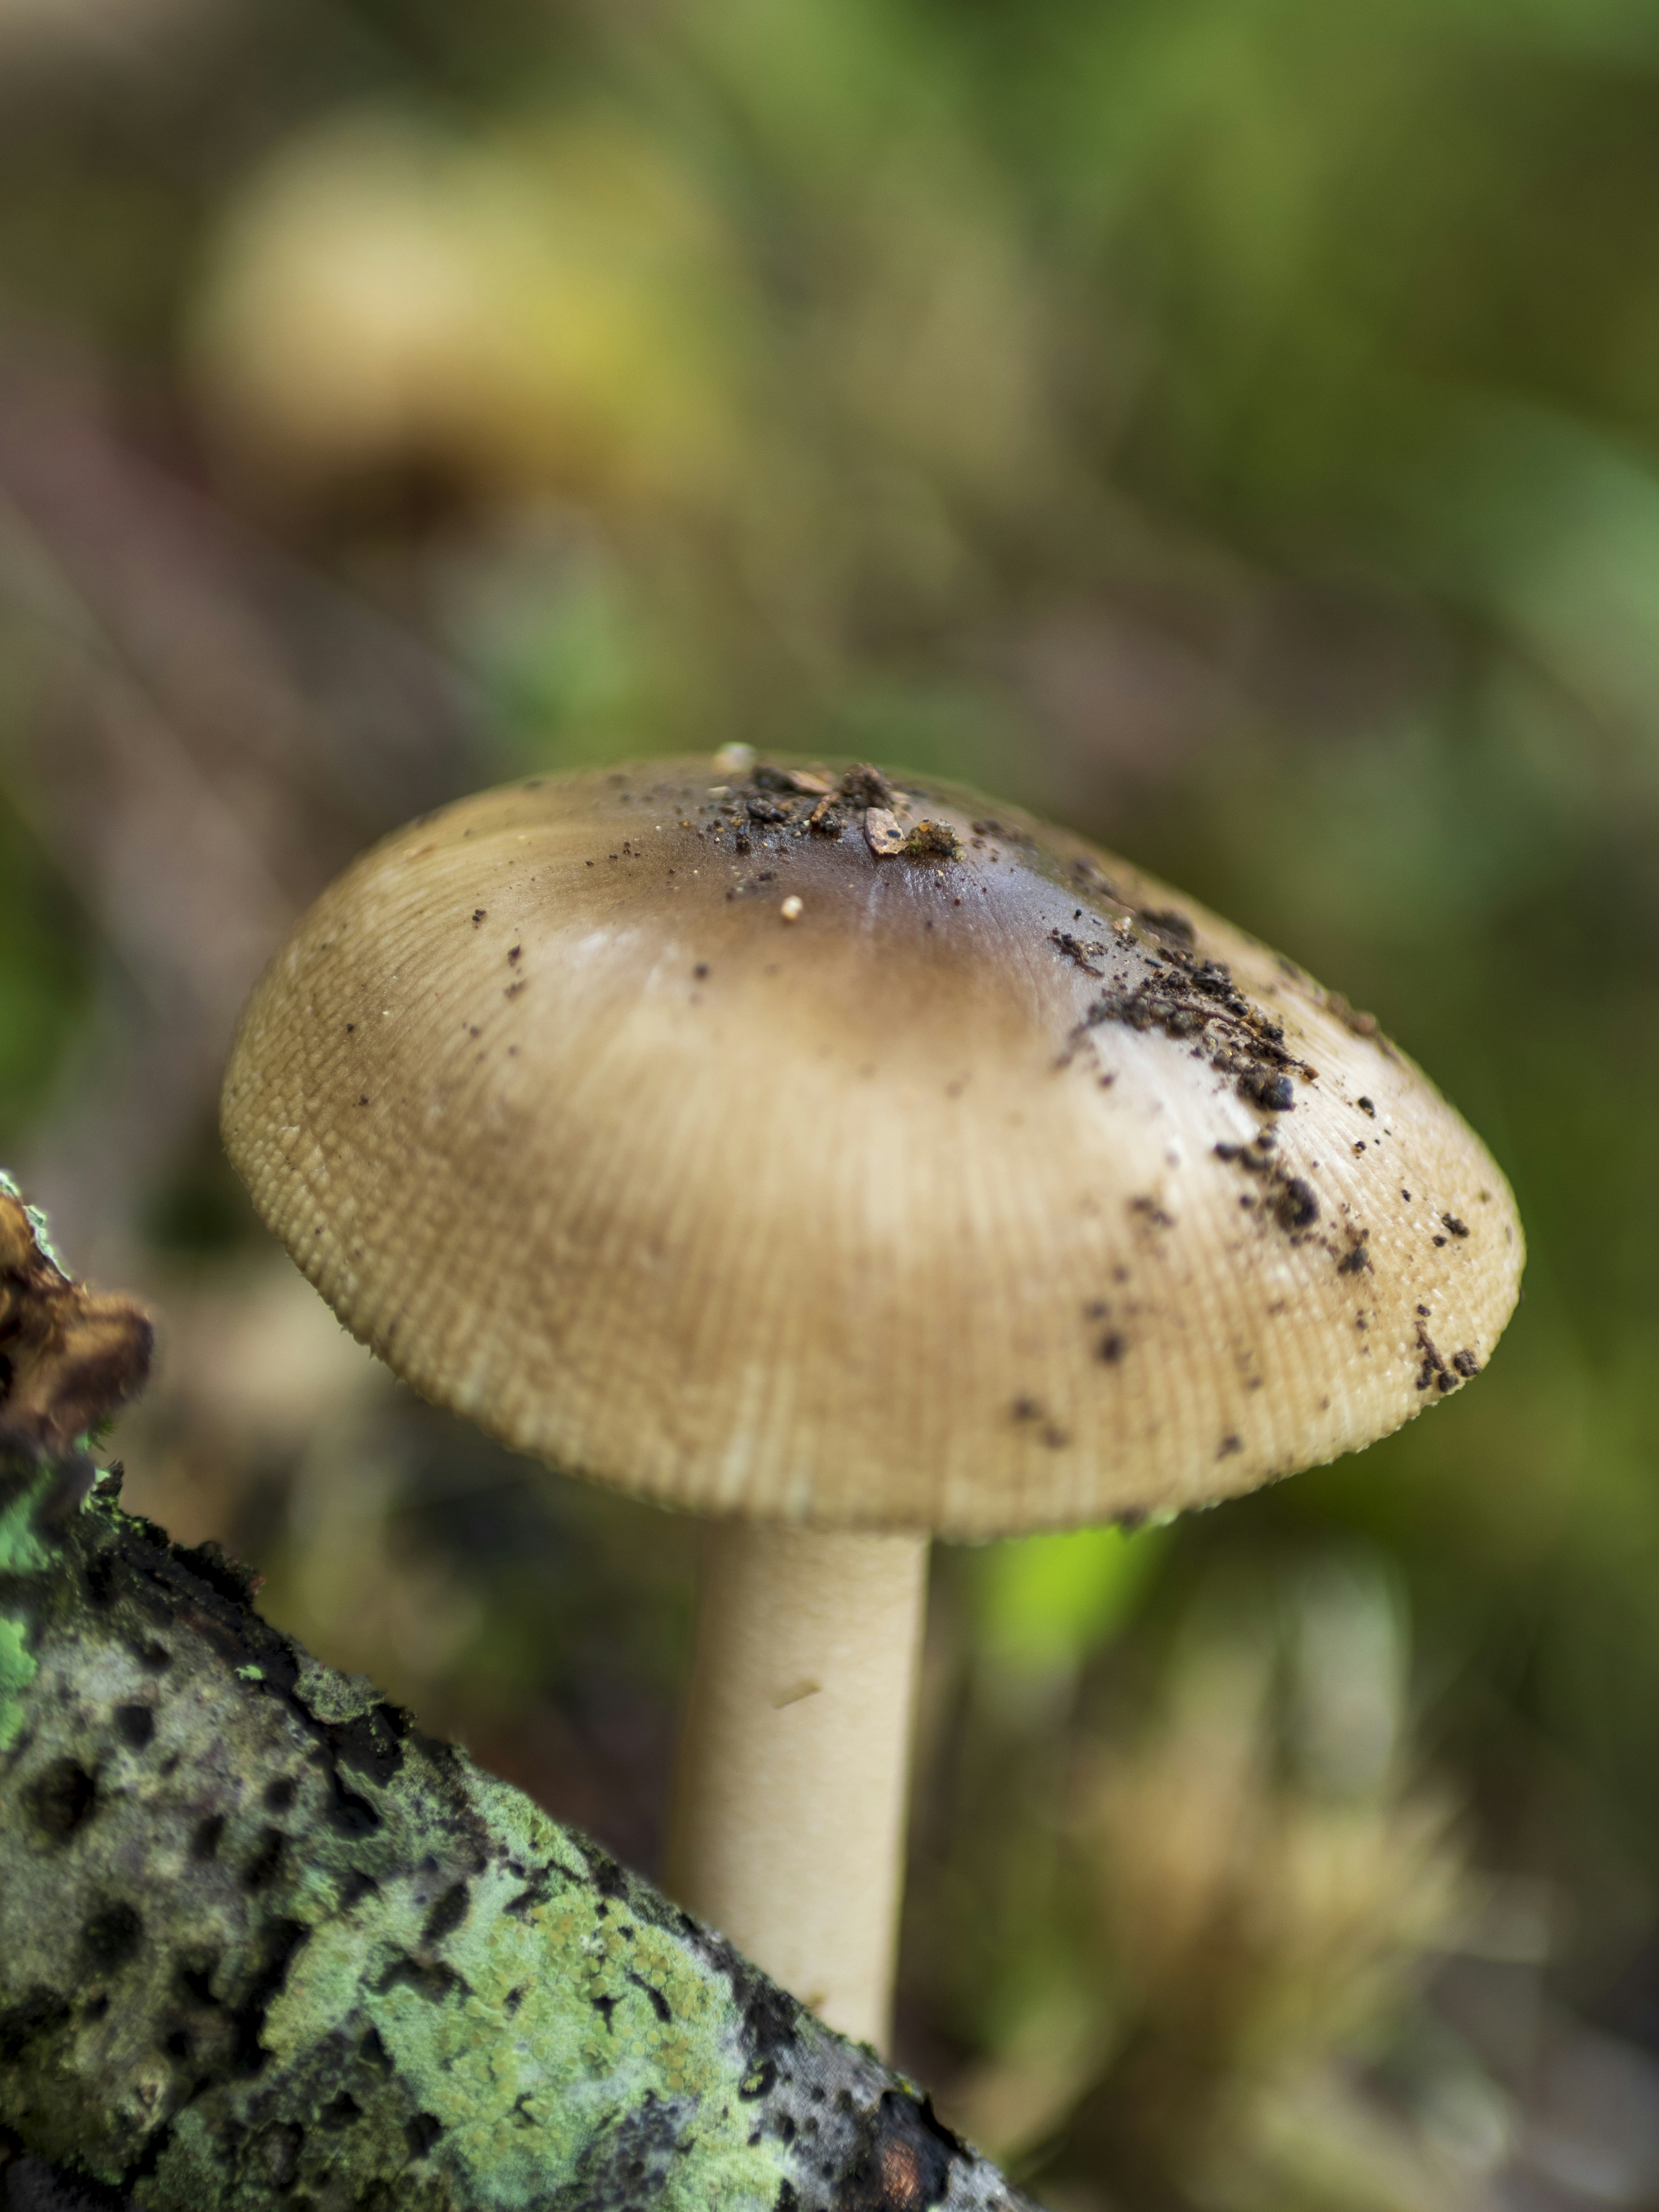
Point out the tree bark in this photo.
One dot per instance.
(263, 1944)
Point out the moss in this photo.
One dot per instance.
(22, 1554)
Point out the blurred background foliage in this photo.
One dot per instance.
(1231, 425)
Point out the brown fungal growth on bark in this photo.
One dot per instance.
(777, 1225)
(69, 1357)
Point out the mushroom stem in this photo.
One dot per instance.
(789, 1826)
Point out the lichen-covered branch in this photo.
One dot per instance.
(262, 1943)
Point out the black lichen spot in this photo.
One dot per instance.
(355, 1885)
(515, 955)
(1465, 1363)
(112, 1937)
(657, 2002)
(1026, 1409)
(1228, 1446)
(62, 1797)
(370, 1742)
(429, 1978)
(36, 2013)
(282, 1939)
(277, 2151)
(227, 1577)
(209, 1833)
(1111, 1348)
(607, 1877)
(1366, 1107)
(478, 914)
(135, 1725)
(1453, 1225)
(701, 971)
(759, 2080)
(447, 1914)
(101, 1573)
(261, 1870)
(194, 1979)
(422, 2132)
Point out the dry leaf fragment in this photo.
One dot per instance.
(883, 832)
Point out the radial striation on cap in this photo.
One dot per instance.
(823, 1148)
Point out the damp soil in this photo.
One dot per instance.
(1196, 1001)
(773, 804)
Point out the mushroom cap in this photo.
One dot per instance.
(864, 1154)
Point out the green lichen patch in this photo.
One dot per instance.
(23, 1556)
(263, 1944)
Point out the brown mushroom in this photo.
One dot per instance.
(708, 1139)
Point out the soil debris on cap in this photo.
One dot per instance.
(1290, 1200)
(884, 833)
(1082, 951)
(1172, 927)
(1187, 997)
(932, 841)
(866, 787)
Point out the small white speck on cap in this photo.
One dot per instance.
(791, 909)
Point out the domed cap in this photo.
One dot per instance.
(868, 1155)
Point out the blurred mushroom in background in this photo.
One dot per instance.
(549, 310)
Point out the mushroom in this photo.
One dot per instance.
(853, 1165)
